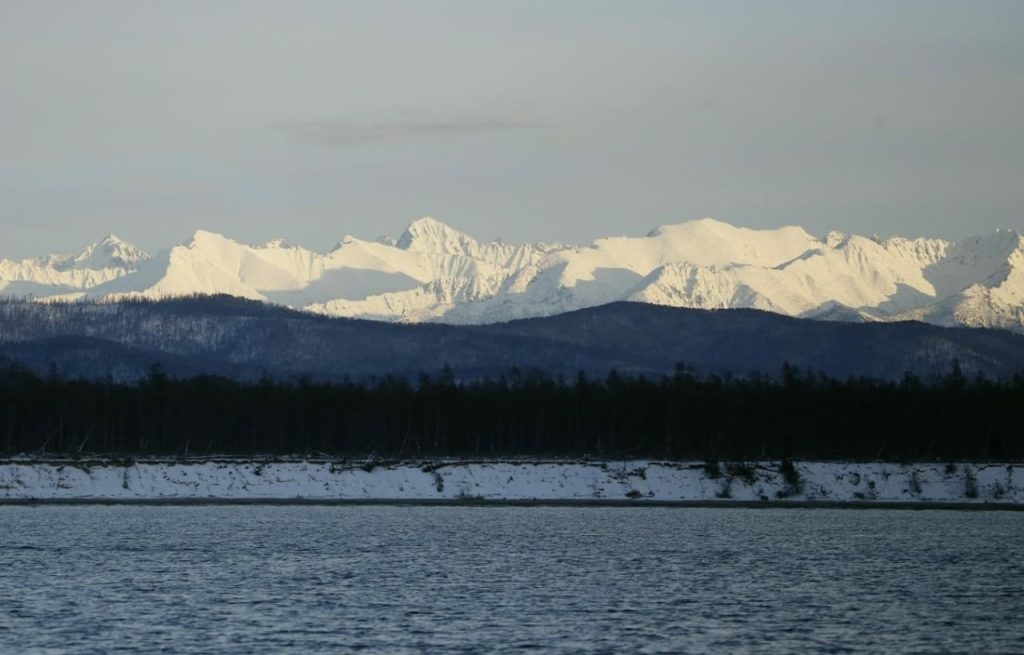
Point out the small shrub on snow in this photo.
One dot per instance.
(915, 483)
(794, 485)
(712, 470)
(970, 483)
(789, 472)
(742, 470)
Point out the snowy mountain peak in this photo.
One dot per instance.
(109, 252)
(204, 237)
(835, 238)
(66, 275)
(430, 235)
(275, 244)
(695, 226)
(708, 242)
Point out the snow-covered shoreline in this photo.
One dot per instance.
(634, 481)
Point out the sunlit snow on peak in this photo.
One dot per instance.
(434, 272)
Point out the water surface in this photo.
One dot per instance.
(300, 579)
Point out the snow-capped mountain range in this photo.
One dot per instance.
(433, 272)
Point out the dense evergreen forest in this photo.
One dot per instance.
(684, 416)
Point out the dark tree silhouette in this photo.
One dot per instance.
(683, 416)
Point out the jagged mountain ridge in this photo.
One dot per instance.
(68, 273)
(434, 273)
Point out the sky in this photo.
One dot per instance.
(549, 120)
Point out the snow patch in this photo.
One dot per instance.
(637, 480)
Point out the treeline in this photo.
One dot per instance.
(795, 414)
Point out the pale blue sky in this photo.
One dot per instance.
(547, 120)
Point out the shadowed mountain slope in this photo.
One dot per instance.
(247, 339)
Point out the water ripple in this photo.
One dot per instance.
(210, 579)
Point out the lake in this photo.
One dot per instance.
(308, 579)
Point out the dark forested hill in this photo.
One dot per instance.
(247, 340)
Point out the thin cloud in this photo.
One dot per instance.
(344, 133)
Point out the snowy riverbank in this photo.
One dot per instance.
(635, 481)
